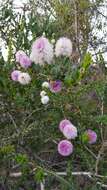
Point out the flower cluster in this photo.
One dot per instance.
(65, 147)
(53, 86)
(68, 129)
(22, 77)
(25, 62)
(43, 93)
(42, 52)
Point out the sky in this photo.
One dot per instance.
(103, 32)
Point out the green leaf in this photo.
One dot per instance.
(68, 80)
(8, 149)
(21, 159)
(85, 65)
(85, 138)
(102, 119)
(39, 175)
(87, 60)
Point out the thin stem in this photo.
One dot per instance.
(99, 158)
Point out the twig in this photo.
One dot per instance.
(101, 184)
(15, 126)
(76, 25)
(34, 111)
(103, 143)
(79, 173)
(101, 14)
(102, 113)
(90, 152)
(15, 175)
(59, 174)
(42, 186)
(98, 158)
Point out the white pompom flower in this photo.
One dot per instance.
(42, 51)
(42, 93)
(45, 84)
(63, 47)
(24, 78)
(45, 99)
(106, 65)
(44, 34)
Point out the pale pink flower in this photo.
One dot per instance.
(24, 78)
(70, 131)
(63, 47)
(42, 51)
(19, 54)
(65, 148)
(92, 136)
(15, 74)
(63, 123)
(23, 59)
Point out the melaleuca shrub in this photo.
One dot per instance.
(46, 57)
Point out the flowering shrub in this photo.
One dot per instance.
(42, 53)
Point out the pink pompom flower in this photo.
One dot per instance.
(19, 54)
(90, 136)
(42, 51)
(65, 148)
(70, 131)
(15, 74)
(55, 86)
(23, 59)
(63, 47)
(63, 123)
